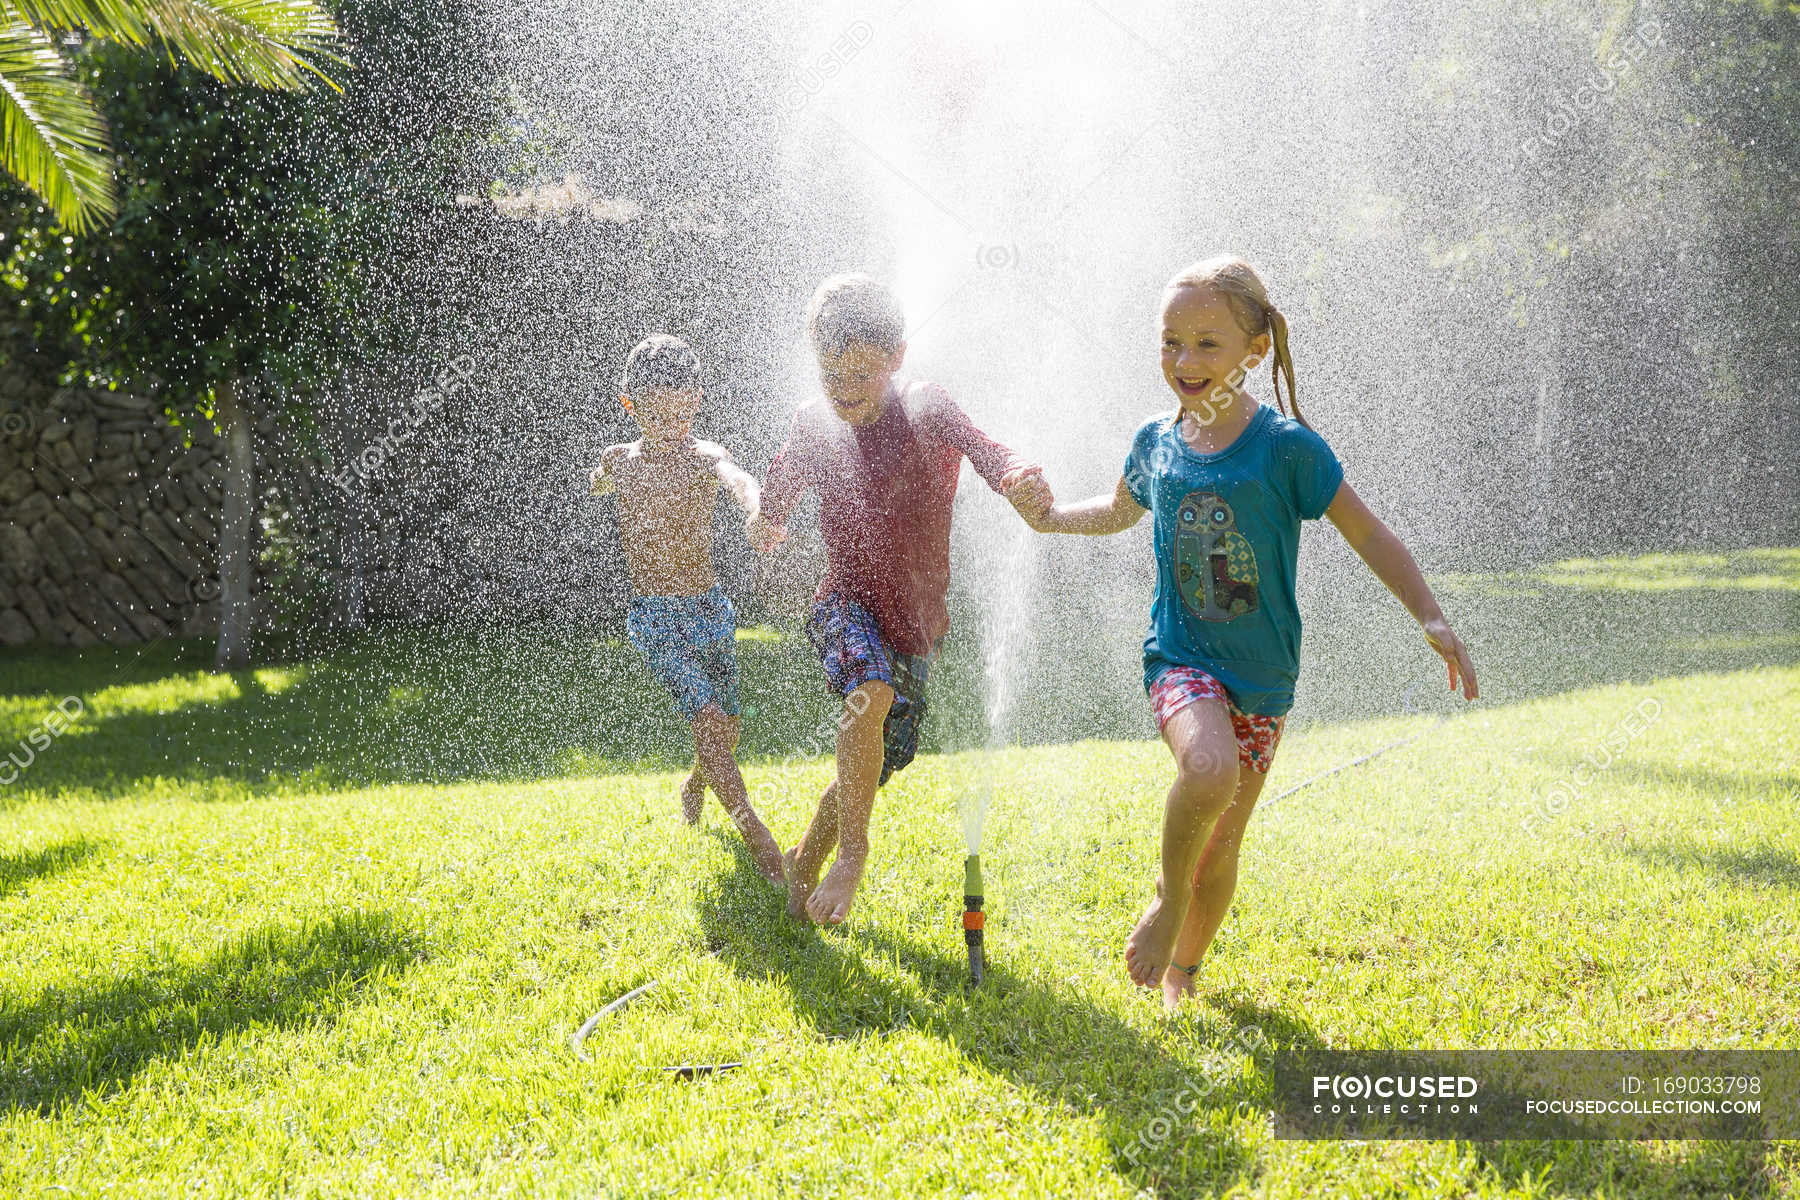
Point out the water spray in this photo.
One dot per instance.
(974, 921)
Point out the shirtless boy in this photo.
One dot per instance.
(680, 619)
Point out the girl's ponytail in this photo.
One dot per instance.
(1281, 361)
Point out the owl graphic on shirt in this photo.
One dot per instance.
(1215, 567)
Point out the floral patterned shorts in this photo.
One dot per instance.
(1178, 687)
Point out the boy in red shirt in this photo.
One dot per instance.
(884, 455)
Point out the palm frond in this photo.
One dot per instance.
(113, 20)
(261, 42)
(268, 43)
(52, 138)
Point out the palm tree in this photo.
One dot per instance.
(52, 137)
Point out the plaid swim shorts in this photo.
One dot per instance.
(853, 652)
(689, 643)
(1177, 687)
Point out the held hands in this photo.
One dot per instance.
(1025, 489)
(1450, 648)
(763, 533)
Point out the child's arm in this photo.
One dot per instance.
(742, 487)
(1102, 514)
(1389, 559)
(1020, 481)
(788, 477)
(737, 481)
(604, 479)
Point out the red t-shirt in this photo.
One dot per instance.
(885, 492)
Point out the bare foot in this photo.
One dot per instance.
(800, 887)
(1189, 949)
(1148, 948)
(1177, 983)
(830, 902)
(693, 797)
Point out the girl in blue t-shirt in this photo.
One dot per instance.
(1228, 480)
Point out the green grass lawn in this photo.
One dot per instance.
(325, 928)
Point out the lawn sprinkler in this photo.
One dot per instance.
(973, 919)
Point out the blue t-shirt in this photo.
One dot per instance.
(1227, 529)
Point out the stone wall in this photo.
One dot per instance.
(109, 519)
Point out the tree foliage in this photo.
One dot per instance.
(52, 136)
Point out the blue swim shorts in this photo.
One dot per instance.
(689, 644)
(853, 652)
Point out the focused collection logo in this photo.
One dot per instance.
(1365, 1094)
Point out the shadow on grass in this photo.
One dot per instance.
(22, 866)
(402, 706)
(442, 705)
(1524, 647)
(1041, 1039)
(1761, 866)
(97, 1037)
(1725, 786)
(1167, 1129)
(1557, 1167)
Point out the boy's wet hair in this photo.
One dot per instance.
(854, 308)
(660, 361)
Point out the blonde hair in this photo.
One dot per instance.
(1236, 280)
(854, 308)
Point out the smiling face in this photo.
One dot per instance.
(1205, 352)
(856, 380)
(666, 415)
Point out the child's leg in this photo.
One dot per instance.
(715, 746)
(655, 628)
(693, 790)
(1200, 737)
(807, 858)
(686, 642)
(1215, 879)
(859, 757)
